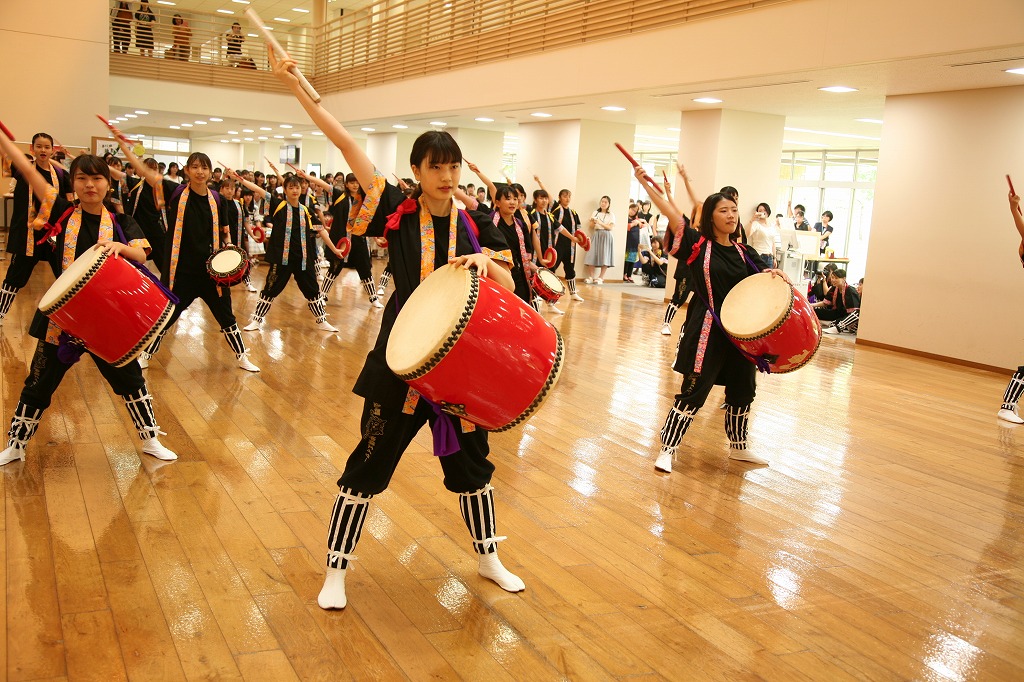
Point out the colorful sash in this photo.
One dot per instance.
(179, 221)
(38, 220)
(303, 216)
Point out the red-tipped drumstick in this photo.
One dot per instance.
(280, 52)
(115, 131)
(1008, 180)
(629, 157)
(9, 134)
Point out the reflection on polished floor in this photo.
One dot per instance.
(885, 542)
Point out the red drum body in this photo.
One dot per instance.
(766, 317)
(110, 306)
(547, 285)
(228, 266)
(549, 258)
(475, 348)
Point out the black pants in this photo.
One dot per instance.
(682, 290)
(358, 259)
(387, 434)
(188, 288)
(278, 276)
(48, 371)
(726, 367)
(564, 251)
(830, 314)
(22, 266)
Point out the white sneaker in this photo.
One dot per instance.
(377, 304)
(326, 326)
(598, 281)
(246, 364)
(251, 289)
(12, 454)
(747, 456)
(552, 308)
(666, 329)
(1010, 416)
(153, 446)
(664, 461)
(577, 297)
(380, 291)
(830, 330)
(253, 326)
(144, 360)
(588, 280)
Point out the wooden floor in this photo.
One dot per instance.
(885, 542)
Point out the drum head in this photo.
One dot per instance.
(428, 318)
(756, 305)
(76, 272)
(226, 261)
(551, 281)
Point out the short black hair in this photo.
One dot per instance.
(38, 135)
(730, 190)
(828, 213)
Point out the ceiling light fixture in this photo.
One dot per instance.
(484, 119)
(298, 9)
(399, 126)
(248, 130)
(215, 120)
(225, 11)
(707, 100)
(369, 130)
(296, 134)
(613, 108)
(225, 141)
(265, 128)
(278, 137)
(235, 139)
(838, 88)
(316, 132)
(285, 126)
(282, 19)
(262, 137)
(165, 2)
(825, 132)
(1018, 71)
(232, 132)
(870, 120)
(248, 139)
(186, 125)
(672, 130)
(141, 113)
(200, 123)
(540, 114)
(130, 116)
(174, 127)
(438, 123)
(241, 2)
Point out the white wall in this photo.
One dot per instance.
(484, 148)
(550, 150)
(943, 275)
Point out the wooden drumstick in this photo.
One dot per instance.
(115, 131)
(280, 52)
(629, 157)
(1008, 180)
(10, 135)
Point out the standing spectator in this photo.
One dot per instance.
(799, 222)
(144, 18)
(762, 235)
(633, 223)
(173, 174)
(122, 27)
(825, 228)
(234, 40)
(182, 35)
(602, 251)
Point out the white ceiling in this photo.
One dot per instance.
(814, 119)
(267, 9)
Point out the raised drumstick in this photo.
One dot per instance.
(629, 157)
(10, 135)
(1008, 180)
(115, 131)
(281, 54)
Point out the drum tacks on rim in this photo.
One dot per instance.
(476, 349)
(547, 285)
(228, 266)
(107, 304)
(767, 318)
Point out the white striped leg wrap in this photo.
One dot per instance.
(571, 283)
(328, 283)
(346, 524)
(140, 407)
(676, 423)
(670, 312)
(849, 323)
(478, 512)
(384, 279)
(262, 308)
(1014, 390)
(7, 294)
(234, 339)
(536, 303)
(368, 288)
(155, 346)
(316, 306)
(247, 280)
(23, 425)
(736, 420)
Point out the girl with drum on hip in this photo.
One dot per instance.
(196, 226)
(291, 251)
(706, 357)
(1008, 411)
(424, 232)
(76, 230)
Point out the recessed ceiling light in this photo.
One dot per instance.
(130, 116)
(235, 139)
(540, 114)
(225, 11)
(265, 128)
(174, 127)
(200, 123)
(400, 126)
(241, 2)
(316, 132)
(215, 120)
(613, 108)
(186, 125)
(225, 141)
(296, 134)
(1018, 71)
(708, 100)
(278, 137)
(298, 9)
(232, 132)
(252, 35)
(248, 139)
(870, 120)
(484, 119)
(287, 21)
(262, 137)
(672, 130)
(248, 130)
(369, 130)
(141, 113)
(438, 123)
(165, 2)
(838, 88)
(285, 126)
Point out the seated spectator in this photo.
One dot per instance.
(841, 301)
(654, 263)
(819, 286)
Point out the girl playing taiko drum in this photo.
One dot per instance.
(423, 233)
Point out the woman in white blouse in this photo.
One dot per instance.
(602, 249)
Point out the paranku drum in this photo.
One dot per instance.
(228, 266)
(766, 317)
(547, 285)
(549, 258)
(476, 349)
(109, 305)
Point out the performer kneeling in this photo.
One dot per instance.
(89, 225)
(423, 233)
(706, 357)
